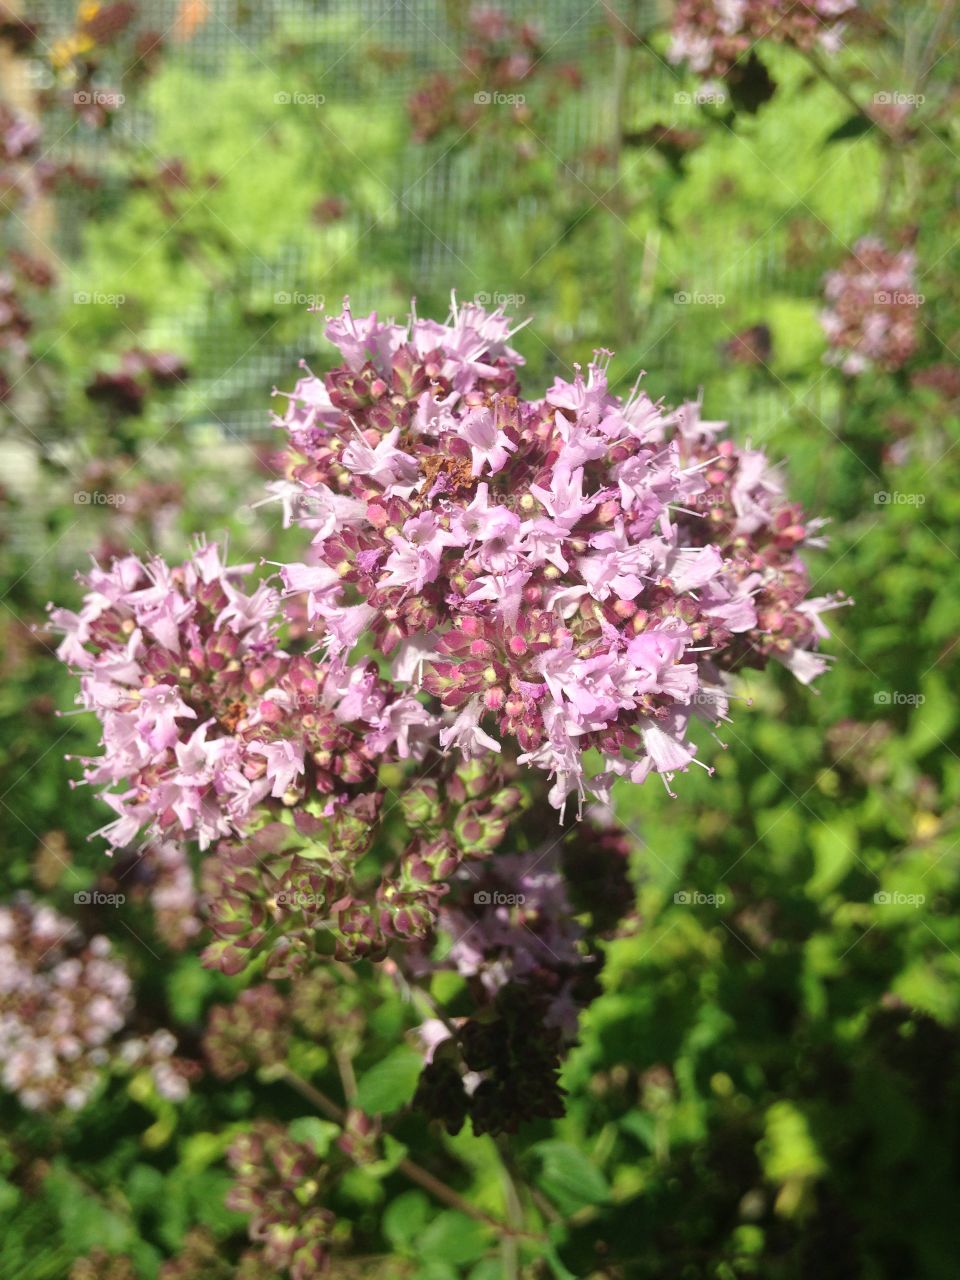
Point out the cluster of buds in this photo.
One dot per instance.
(26, 172)
(522, 931)
(296, 891)
(562, 574)
(125, 389)
(160, 878)
(163, 877)
(157, 1053)
(201, 1257)
(104, 33)
(100, 1264)
(510, 920)
(711, 36)
(871, 320)
(63, 1001)
(252, 1031)
(15, 319)
(499, 57)
(24, 276)
(280, 1183)
(19, 135)
(499, 1068)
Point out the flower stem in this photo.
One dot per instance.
(826, 73)
(513, 1209)
(422, 1177)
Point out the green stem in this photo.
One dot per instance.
(621, 66)
(929, 59)
(407, 1167)
(513, 1210)
(826, 73)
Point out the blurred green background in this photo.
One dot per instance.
(768, 1085)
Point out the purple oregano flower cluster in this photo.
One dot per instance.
(556, 575)
(712, 35)
(871, 320)
(509, 605)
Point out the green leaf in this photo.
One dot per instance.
(453, 1237)
(9, 1195)
(787, 1149)
(391, 1083)
(405, 1217)
(488, 1269)
(189, 985)
(933, 720)
(393, 1153)
(569, 1178)
(315, 1133)
(834, 852)
(853, 127)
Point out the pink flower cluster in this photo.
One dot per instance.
(563, 574)
(500, 56)
(871, 319)
(204, 717)
(711, 35)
